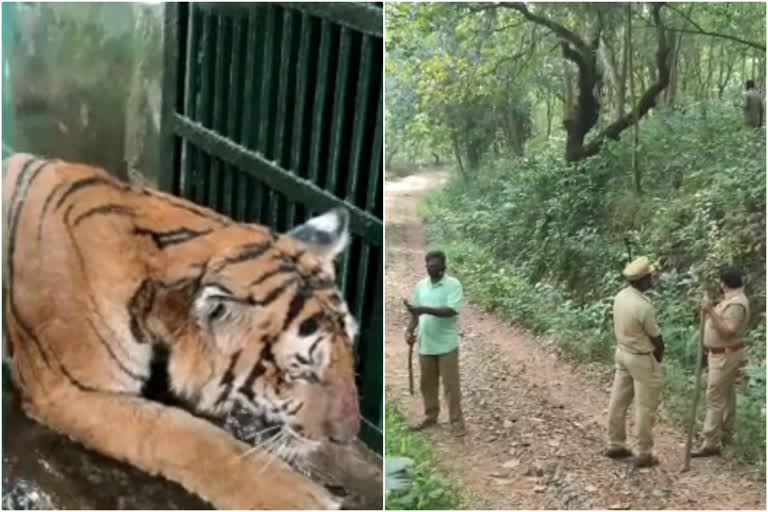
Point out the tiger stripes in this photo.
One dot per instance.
(131, 303)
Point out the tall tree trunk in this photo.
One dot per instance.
(754, 67)
(549, 114)
(636, 128)
(621, 89)
(457, 154)
(671, 92)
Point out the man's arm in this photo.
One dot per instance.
(654, 333)
(444, 312)
(451, 307)
(410, 331)
(726, 324)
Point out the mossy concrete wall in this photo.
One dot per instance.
(85, 84)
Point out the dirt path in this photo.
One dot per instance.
(536, 422)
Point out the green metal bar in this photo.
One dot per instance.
(8, 63)
(356, 150)
(232, 192)
(362, 280)
(235, 82)
(266, 83)
(361, 223)
(202, 110)
(373, 174)
(263, 197)
(318, 113)
(190, 75)
(248, 82)
(376, 157)
(371, 367)
(356, 16)
(339, 109)
(278, 205)
(245, 193)
(283, 86)
(302, 68)
(219, 78)
(170, 145)
(361, 117)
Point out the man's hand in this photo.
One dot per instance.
(414, 310)
(410, 337)
(658, 348)
(706, 304)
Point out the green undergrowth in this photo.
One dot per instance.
(542, 243)
(429, 490)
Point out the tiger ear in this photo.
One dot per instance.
(212, 311)
(326, 235)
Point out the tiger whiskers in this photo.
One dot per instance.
(263, 444)
(280, 441)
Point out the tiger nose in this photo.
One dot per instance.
(343, 423)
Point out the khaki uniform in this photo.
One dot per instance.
(638, 374)
(724, 366)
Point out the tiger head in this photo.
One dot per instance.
(271, 334)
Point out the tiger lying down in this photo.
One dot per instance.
(108, 282)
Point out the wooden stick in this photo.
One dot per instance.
(410, 367)
(696, 392)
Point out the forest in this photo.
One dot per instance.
(578, 136)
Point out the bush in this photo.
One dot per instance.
(543, 242)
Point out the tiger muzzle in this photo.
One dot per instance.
(343, 421)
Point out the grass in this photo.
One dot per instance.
(429, 490)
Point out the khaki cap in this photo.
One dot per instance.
(638, 269)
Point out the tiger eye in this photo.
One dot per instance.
(308, 326)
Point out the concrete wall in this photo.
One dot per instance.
(85, 84)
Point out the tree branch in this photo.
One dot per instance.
(520, 7)
(728, 37)
(648, 99)
(700, 30)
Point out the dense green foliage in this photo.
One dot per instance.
(543, 242)
(428, 491)
(473, 81)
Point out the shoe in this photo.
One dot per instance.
(645, 460)
(458, 431)
(426, 423)
(617, 453)
(706, 451)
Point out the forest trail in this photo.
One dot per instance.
(536, 423)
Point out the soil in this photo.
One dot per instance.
(535, 421)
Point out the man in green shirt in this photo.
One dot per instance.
(434, 310)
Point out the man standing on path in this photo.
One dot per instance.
(434, 310)
(639, 375)
(723, 330)
(753, 106)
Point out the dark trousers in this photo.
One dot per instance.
(433, 367)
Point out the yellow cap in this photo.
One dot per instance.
(638, 269)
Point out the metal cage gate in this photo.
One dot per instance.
(272, 112)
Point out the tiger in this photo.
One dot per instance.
(110, 287)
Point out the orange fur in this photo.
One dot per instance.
(103, 276)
